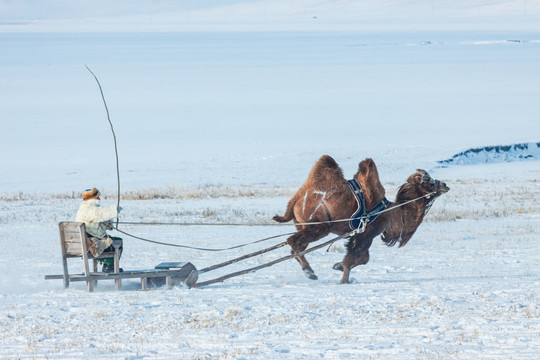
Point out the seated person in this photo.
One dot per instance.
(97, 219)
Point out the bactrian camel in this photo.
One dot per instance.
(326, 198)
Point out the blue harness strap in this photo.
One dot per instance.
(361, 217)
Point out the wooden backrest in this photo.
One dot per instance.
(73, 238)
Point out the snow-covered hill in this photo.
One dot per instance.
(240, 15)
(495, 154)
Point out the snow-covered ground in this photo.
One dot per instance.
(466, 286)
(220, 111)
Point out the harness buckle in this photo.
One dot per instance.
(361, 226)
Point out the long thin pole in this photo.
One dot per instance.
(217, 266)
(268, 264)
(114, 137)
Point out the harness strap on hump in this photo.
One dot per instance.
(362, 217)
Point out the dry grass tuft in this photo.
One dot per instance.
(171, 192)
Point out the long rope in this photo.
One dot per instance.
(196, 223)
(268, 264)
(270, 224)
(238, 273)
(114, 138)
(243, 245)
(204, 249)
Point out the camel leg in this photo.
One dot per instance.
(357, 254)
(349, 264)
(306, 268)
(300, 241)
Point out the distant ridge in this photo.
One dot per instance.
(495, 154)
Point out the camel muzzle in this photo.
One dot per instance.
(442, 188)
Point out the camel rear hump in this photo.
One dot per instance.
(322, 177)
(324, 174)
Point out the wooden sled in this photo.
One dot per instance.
(73, 243)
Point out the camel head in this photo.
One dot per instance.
(401, 228)
(427, 184)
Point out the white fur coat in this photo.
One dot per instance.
(95, 216)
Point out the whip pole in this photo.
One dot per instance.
(114, 138)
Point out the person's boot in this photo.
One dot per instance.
(108, 268)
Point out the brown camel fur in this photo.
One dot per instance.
(326, 196)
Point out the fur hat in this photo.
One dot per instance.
(90, 194)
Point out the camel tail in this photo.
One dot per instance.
(289, 213)
(282, 219)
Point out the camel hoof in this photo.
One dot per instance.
(338, 266)
(310, 275)
(349, 281)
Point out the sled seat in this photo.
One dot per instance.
(73, 243)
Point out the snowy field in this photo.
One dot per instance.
(220, 112)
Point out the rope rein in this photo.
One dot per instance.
(269, 224)
(254, 242)
(204, 249)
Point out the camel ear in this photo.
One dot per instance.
(425, 177)
(416, 178)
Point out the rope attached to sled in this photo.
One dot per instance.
(359, 230)
(203, 249)
(269, 224)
